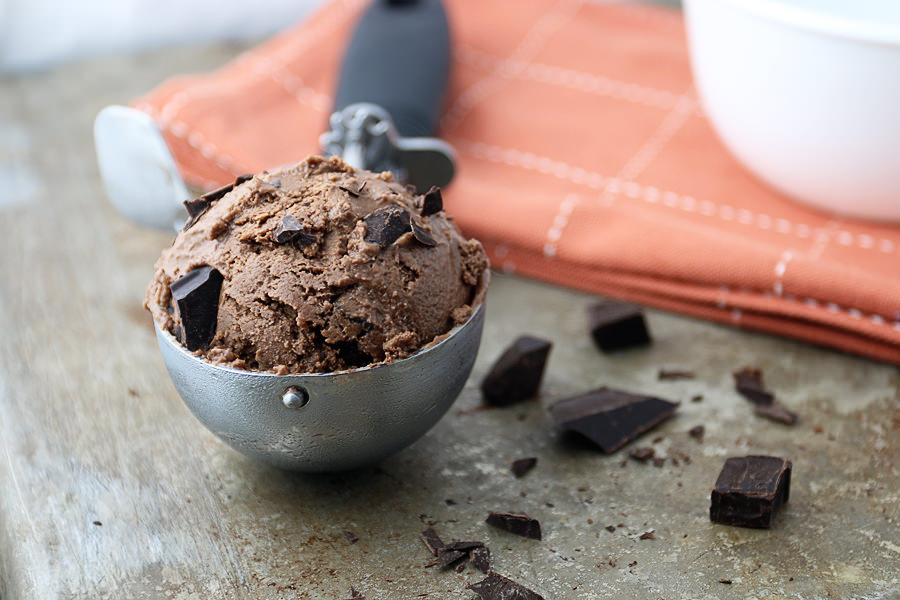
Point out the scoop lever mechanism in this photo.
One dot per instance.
(364, 136)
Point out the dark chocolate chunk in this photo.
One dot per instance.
(386, 224)
(200, 205)
(697, 432)
(617, 325)
(351, 537)
(749, 383)
(432, 202)
(481, 558)
(196, 298)
(611, 418)
(648, 535)
(447, 557)
(749, 491)
(498, 587)
(421, 234)
(776, 412)
(517, 374)
(669, 374)
(517, 523)
(523, 465)
(432, 541)
(610, 528)
(642, 454)
(290, 229)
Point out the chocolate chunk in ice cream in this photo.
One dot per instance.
(432, 202)
(358, 288)
(196, 300)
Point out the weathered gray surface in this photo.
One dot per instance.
(91, 429)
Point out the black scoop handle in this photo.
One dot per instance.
(399, 59)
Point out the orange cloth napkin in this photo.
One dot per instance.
(584, 159)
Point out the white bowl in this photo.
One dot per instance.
(806, 94)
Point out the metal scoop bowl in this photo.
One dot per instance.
(328, 421)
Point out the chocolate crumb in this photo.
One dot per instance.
(432, 202)
(351, 537)
(610, 528)
(460, 567)
(642, 454)
(521, 466)
(450, 502)
(97, 523)
(725, 581)
(648, 535)
(697, 398)
(697, 432)
(658, 461)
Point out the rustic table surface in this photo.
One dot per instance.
(109, 488)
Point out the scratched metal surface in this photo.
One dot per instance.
(91, 429)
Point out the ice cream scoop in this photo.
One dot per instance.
(327, 421)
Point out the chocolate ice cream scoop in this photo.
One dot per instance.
(306, 321)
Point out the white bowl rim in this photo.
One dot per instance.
(816, 21)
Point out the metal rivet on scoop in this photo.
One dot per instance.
(295, 398)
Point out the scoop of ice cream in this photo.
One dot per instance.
(323, 267)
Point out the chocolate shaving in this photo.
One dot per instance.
(776, 412)
(648, 535)
(498, 587)
(351, 537)
(432, 202)
(448, 557)
(516, 523)
(670, 374)
(386, 224)
(463, 546)
(523, 465)
(421, 234)
(481, 558)
(201, 204)
(353, 193)
(196, 299)
(749, 383)
(432, 541)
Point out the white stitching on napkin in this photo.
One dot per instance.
(780, 268)
(560, 170)
(572, 79)
(534, 40)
